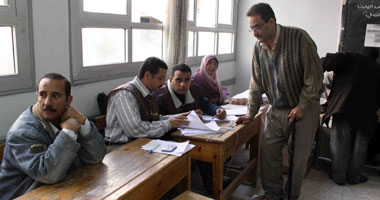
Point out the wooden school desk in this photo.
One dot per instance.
(126, 173)
(216, 148)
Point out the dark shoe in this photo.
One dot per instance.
(341, 183)
(362, 179)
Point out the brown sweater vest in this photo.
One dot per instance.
(169, 103)
(148, 106)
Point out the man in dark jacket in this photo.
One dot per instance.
(353, 102)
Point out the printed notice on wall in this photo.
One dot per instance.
(372, 35)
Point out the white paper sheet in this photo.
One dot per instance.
(213, 118)
(237, 111)
(196, 123)
(157, 145)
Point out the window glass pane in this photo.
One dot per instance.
(102, 6)
(4, 3)
(190, 14)
(206, 13)
(149, 11)
(226, 43)
(225, 12)
(146, 43)
(206, 43)
(103, 46)
(190, 45)
(7, 57)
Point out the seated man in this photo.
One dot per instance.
(132, 110)
(180, 95)
(47, 140)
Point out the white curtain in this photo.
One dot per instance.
(175, 33)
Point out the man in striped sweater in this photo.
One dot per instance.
(287, 68)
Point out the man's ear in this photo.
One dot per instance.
(170, 79)
(147, 75)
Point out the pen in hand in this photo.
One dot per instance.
(152, 149)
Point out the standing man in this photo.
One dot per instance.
(286, 67)
(47, 140)
(132, 110)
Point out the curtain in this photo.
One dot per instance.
(175, 33)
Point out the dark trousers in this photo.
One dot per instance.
(348, 149)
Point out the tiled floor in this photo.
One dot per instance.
(316, 186)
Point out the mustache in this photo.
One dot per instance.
(258, 35)
(49, 108)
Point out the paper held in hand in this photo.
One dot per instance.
(197, 127)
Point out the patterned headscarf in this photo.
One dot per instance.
(209, 85)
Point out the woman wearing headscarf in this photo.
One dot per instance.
(206, 77)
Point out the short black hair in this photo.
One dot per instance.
(56, 76)
(152, 65)
(262, 9)
(181, 67)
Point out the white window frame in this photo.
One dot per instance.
(80, 19)
(19, 15)
(219, 28)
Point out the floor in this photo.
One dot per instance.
(316, 185)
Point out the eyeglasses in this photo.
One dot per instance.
(257, 27)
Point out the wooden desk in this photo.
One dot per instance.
(216, 148)
(126, 173)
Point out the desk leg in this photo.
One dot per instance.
(254, 154)
(217, 166)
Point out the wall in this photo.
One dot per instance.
(51, 49)
(321, 19)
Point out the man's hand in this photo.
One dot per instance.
(71, 124)
(72, 112)
(243, 119)
(221, 113)
(295, 113)
(199, 113)
(179, 120)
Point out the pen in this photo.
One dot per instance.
(152, 149)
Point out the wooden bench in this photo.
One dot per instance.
(188, 195)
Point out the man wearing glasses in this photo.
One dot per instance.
(287, 68)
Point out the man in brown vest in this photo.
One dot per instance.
(180, 95)
(132, 110)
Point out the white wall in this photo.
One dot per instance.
(321, 19)
(51, 49)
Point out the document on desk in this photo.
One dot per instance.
(237, 111)
(159, 146)
(197, 127)
(208, 118)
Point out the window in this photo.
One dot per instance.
(16, 64)
(211, 29)
(111, 39)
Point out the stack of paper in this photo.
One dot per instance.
(213, 118)
(159, 145)
(197, 127)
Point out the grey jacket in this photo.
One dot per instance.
(32, 157)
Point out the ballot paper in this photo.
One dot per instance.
(158, 146)
(208, 118)
(196, 123)
(237, 111)
(197, 127)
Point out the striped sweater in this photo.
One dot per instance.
(290, 74)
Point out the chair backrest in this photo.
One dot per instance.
(1, 152)
(102, 99)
